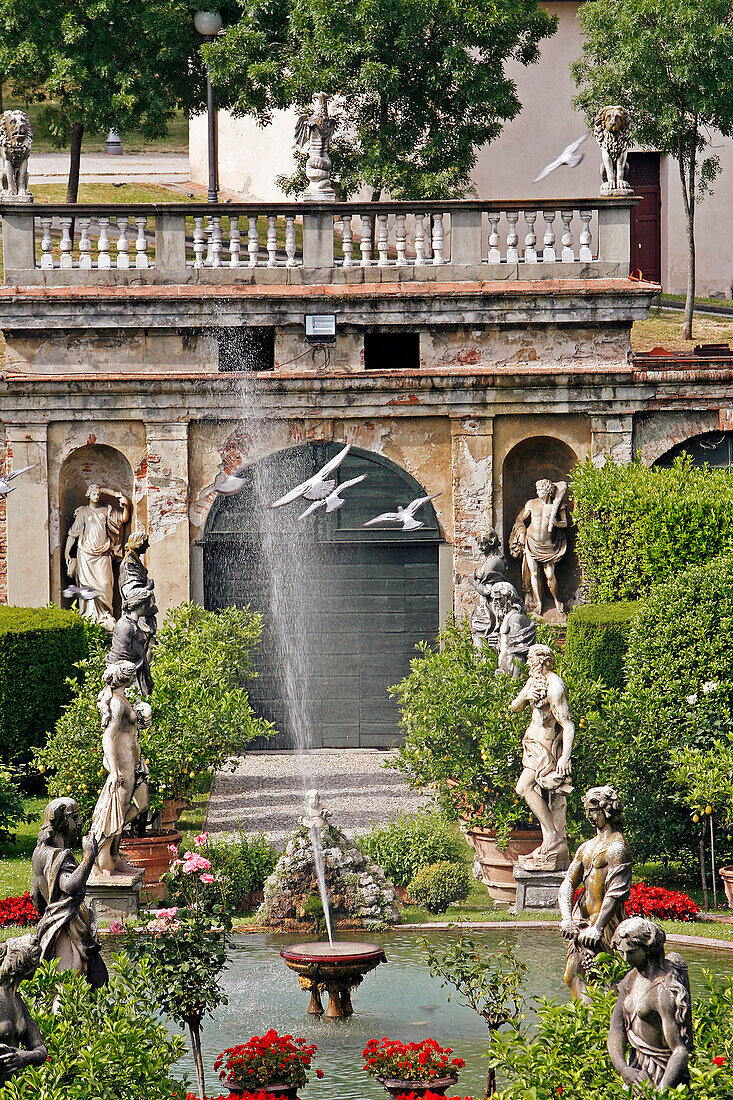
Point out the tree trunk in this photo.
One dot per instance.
(194, 1027)
(703, 876)
(77, 133)
(688, 198)
(490, 1073)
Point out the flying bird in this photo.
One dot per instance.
(568, 157)
(318, 486)
(405, 516)
(233, 482)
(334, 500)
(5, 487)
(82, 591)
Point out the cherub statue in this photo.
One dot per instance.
(612, 128)
(314, 129)
(315, 816)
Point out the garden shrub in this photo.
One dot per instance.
(412, 841)
(638, 526)
(438, 884)
(242, 862)
(39, 647)
(597, 639)
(12, 810)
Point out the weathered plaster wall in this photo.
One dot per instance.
(526, 344)
(123, 352)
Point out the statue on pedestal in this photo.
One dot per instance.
(650, 1035)
(602, 866)
(67, 930)
(136, 585)
(16, 139)
(133, 638)
(125, 793)
(539, 538)
(314, 129)
(21, 1042)
(97, 535)
(547, 746)
(487, 574)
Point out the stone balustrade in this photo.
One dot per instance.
(352, 242)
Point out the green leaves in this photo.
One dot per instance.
(488, 982)
(410, 842)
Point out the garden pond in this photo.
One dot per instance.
(398, 999)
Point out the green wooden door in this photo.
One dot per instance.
(351, 603)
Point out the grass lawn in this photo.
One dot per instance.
(664, 329)
(110, 192)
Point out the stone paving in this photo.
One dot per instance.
(265, 792)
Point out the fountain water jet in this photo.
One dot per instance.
(315, 821)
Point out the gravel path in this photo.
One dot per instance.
(265, 792)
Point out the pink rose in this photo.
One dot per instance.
(116, 928)
(195, 862)
(167, 914)
(207, 879)
(201, 839)
(173, 849)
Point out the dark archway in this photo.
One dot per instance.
(343, 606)
(714, 449)
(526, 463)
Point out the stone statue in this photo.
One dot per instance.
(316, 815)
(650, 1036)
(97, 534)
(16, 139)
(488, 573)
(125, 793)
(602, 866)
(134, 634)
(546, 750)
(67, 930)
(539, 538)
(612, 128)
(516, 631)
(21, 1042)
(136, 586)
(314, 129)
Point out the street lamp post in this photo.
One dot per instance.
(208, 24)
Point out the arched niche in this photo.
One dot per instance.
(527, 462)
(95, 463)
(713, 449)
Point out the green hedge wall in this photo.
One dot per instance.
(597, 640)
(38, 649)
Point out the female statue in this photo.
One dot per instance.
(97, 535)
(515, 630)
(650, 1037)
(21, 1042)
(125, 794)
(492, 569)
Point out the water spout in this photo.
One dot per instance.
(315, 820)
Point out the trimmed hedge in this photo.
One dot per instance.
(39, 647)
(597, 640)
(437, 885)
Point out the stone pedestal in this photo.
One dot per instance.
(536, 889)
(114, 897)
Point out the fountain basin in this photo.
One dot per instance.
(337, 969)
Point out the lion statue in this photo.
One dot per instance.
(613, 133)
(16, 138)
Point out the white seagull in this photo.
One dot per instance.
(334, 500)
(318, 486)
(83, 592)
(568, 157)
(6, 488)
(405, 516)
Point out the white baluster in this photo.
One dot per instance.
(438, 236)
(290, 241)
(209, 233)
(66, 243)
(400, 239)
(253, 241)
(271, 240)
(530, 239)
(199, 242)
(366, 240)
(568, 256)
(103, 257)
(46, 245)
(347, 240)
(585, 238)
(141, 244)
(419, 239)
(216, 245)
(234, 243)
(512, 238)
(382, 241)
(548, 252)
(123, 245)
(494, 240)
(85, 245)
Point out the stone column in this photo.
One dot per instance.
(471, 461)
(167, 491)
(28, 553)
(612, 438)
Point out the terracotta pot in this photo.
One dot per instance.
(497, 863)
(151, 853)
(276, 1089)
(171, 811)
(726, 873)
(401, 1087)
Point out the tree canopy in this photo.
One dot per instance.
(669, 62)
(421, 84)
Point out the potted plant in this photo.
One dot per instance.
(276, 1065)
(415, 1068)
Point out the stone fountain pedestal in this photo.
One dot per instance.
(112, 897)
(337, 970)
(536, 889)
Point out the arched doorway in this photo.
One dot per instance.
(343, 606)
(714, 449)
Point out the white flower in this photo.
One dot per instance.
(691, 699)
(709, 686)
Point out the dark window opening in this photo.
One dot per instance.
(246, 349)
(391, 351)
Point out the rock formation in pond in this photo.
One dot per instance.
(359, 893)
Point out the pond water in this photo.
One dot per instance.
(398, 999)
